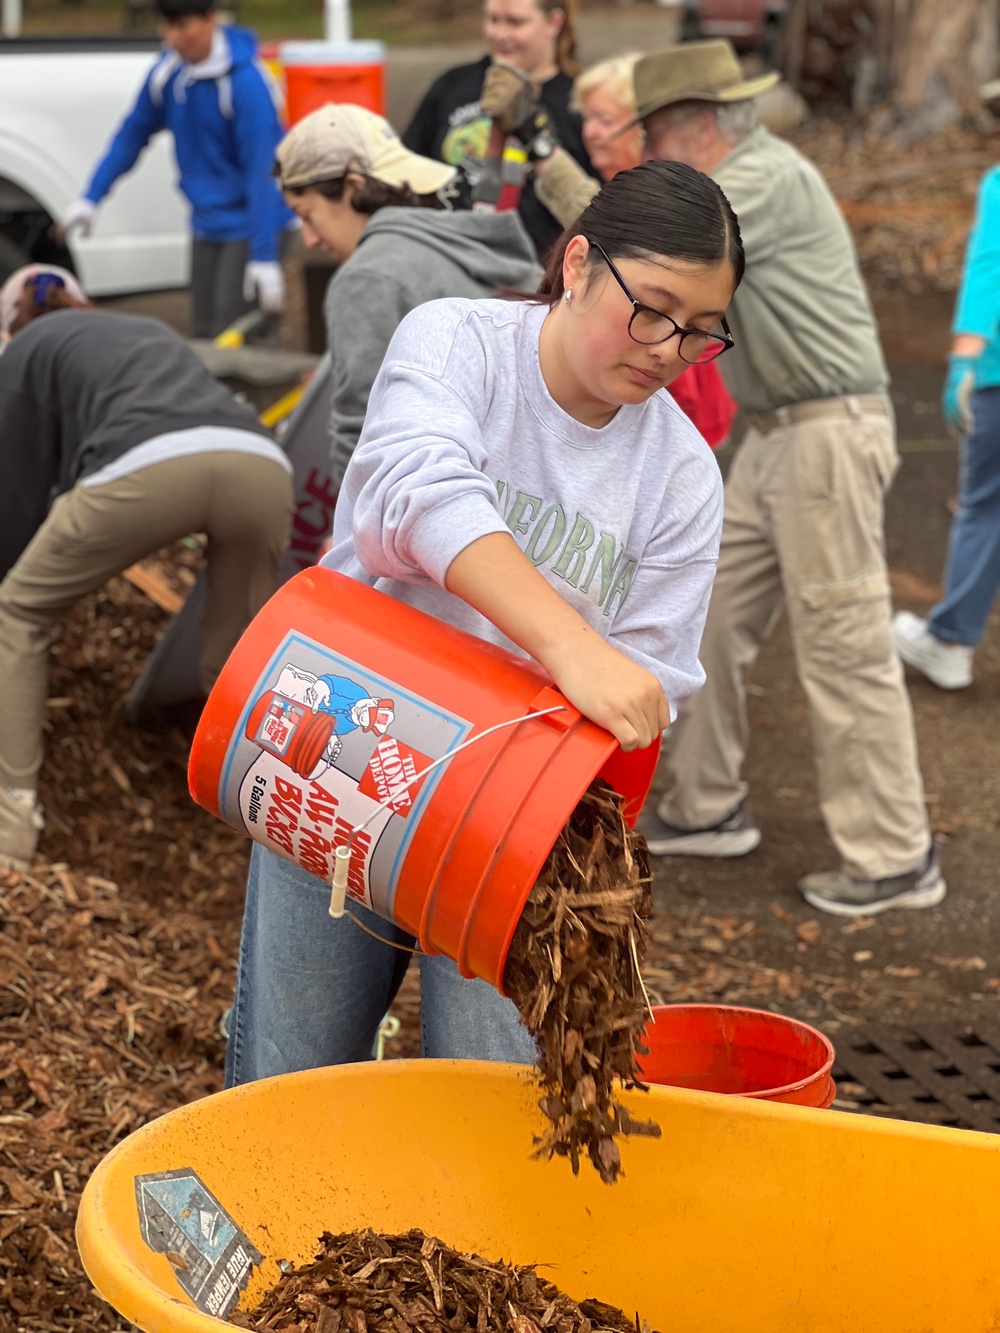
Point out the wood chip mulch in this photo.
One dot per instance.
(363, 1282)
(574, 973)
(117, 954)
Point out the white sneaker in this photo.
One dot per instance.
(948, 665)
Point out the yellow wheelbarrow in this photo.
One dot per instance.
(744, 1217)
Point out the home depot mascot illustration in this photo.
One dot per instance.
(302, 719)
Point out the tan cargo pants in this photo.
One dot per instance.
(803, 528)
(242, 501)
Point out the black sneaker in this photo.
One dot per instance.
(736, 835)
(838, 893)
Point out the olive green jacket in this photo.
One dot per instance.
(802, 320)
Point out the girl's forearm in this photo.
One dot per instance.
(496, 578)
(493, 575)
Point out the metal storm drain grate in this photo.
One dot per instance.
(935, 1074)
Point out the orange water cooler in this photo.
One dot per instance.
(320, 72)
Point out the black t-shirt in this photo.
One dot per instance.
(449, 126)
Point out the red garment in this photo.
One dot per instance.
(705, 399)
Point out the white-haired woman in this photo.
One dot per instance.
(604, 96)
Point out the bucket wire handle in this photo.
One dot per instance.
(342, 854)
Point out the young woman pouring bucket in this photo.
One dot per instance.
(523, 477)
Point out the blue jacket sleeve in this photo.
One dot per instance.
(144, 120)
(257, 131)
(978, 307)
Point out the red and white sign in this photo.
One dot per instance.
(393, 763)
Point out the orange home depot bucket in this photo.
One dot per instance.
(742, 1052)
(321, 72)
(337, 694)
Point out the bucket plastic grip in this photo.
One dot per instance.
(545, 704)
(342, 854)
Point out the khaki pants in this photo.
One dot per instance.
(804, 528)
(242, 501)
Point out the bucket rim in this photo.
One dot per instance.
(822, 1074)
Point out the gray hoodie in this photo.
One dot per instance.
(407, 256)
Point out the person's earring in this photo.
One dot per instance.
(568, 295)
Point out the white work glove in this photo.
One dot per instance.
(79, 217)
(264, 283)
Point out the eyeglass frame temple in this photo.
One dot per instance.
(728, 343)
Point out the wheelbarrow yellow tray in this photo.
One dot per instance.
(744, 1217)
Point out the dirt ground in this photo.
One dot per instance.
(117, 950)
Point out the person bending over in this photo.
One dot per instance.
(116, 441)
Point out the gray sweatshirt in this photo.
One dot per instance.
(463, 439)
(407, 256)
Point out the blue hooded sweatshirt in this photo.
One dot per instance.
(223, 115)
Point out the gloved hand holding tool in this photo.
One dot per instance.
(509, 98)
(79, 217)
(264, 283)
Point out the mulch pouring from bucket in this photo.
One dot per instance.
(573, 971)
(468, 814)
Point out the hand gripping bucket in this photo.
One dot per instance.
(336, 696)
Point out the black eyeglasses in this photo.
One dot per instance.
(648, 327)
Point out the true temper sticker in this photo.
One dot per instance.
(211, 1256)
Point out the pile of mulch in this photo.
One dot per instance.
(573, 971)
(909, 207)
(362, 1282)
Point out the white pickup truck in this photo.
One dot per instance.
(61, 100)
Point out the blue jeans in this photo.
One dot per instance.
(311, 991)
(972, 572)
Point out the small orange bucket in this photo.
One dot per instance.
(741, 1052)
(319, 72)
(336, 695)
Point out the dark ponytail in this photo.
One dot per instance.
(661, 209)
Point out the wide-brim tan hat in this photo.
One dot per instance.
(694, 72)
(339, 138)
